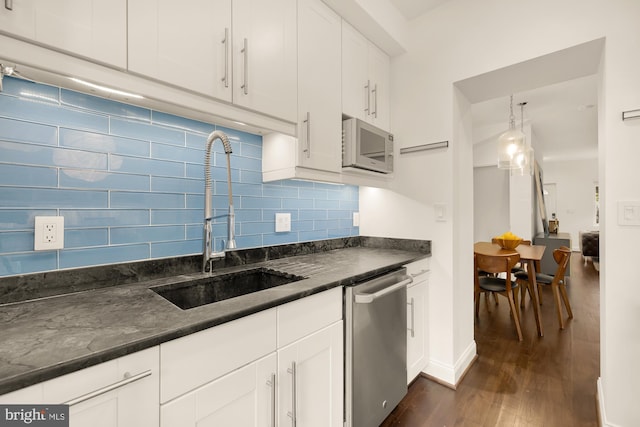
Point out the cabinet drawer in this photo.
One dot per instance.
(244, 397)
(418, 270)
(307, 315)
(194, 360)
(143, 364)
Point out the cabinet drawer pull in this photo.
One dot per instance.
(412, 329)
(225, 42)
(8, 4)
(127, 380)
(292, 414)
(420, 273)
(272, 383)
(245, 51)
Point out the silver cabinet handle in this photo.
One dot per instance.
(366, 88)
(292, 414)
(245, 51)
(412, 329)
(128, 379)
(8, 4)
(368, 298)
(272, 383)
(375, 100)
(420, 273)
(308, 122)
(225, 42)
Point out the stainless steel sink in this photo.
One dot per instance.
(194, 293)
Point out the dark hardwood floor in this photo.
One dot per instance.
(542, 381)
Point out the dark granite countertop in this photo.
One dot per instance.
(51, 336)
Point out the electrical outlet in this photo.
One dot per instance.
(49, 233)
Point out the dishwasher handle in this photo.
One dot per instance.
(366, 298)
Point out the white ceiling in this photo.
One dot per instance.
(414, 8)
(563, 118)
(560, 90)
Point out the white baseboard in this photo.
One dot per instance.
(450, 374)
(601, 411)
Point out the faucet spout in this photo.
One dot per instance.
(207, 253)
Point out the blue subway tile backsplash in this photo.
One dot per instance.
(129, 183)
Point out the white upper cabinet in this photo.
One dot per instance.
(249, 59)
(319, 116)
(379, 72)
(185, 45)
(265, 56)
(94, 29)
(365, 79)
(316, 153)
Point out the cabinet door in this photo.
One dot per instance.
(310, 380)
(416, 327)
(355, 74)
(378, 62)
(319, 115)
(264, 68)
(96, 29)
(245, 397)
(185, 45)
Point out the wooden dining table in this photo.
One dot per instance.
(529, 254)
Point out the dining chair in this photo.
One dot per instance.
(493, 284)
(519, 266)
(562, 256)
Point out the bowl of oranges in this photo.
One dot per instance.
(507, 240)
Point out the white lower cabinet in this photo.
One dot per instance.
(119, 393)
(417, 338)
(244, 397)
(278, 367)
(310, 379)
(261, 370)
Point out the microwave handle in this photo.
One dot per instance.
(307, 120)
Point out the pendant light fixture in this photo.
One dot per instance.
(523, 160)
(511, 143)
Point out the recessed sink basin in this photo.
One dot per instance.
(195, 293)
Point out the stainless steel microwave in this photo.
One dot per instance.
(366, 147)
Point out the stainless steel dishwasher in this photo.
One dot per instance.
(375, 348)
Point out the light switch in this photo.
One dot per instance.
(356, 219)
(440, 210)
(283, 222)
(629, 213)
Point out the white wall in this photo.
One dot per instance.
(490, 202)
(463, 39)
(575, 194)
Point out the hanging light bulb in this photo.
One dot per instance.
(511, 144)
(524, 159)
